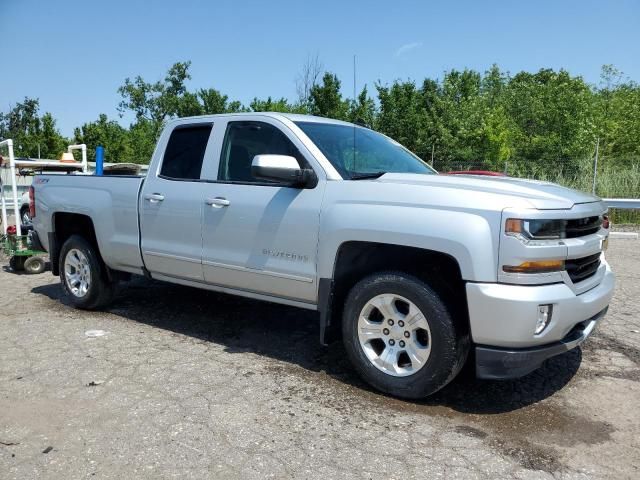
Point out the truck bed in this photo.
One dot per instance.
(111, 202)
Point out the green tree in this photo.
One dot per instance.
(22, 124)
(214, 102)
(142, 140)
(622, 138)
(540, 121)
(32, 135)
(52, 144)
(279, 105)
(617, 110)
(363, 110)
(459, 117)
(188, 105)
(326, 100)
(402, 116)
(157, 102)
(114, 138)
(492, 85)
(496, 139)
(553, 115)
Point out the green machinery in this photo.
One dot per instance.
(21, 253)
(16, 243)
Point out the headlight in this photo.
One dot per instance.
(536, 229)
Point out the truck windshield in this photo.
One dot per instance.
(359, 153)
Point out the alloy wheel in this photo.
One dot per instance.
(394, 335)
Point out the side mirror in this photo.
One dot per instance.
(282, 169)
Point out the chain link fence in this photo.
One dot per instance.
(607, 178)
(611, 178)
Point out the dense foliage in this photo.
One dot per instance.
(32, 134)
(540, 124)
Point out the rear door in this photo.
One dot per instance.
(260, 236)
(171, 204)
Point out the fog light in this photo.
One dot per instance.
(544, 317)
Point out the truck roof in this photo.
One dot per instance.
(294, 117)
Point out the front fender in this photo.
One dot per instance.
(471, 238)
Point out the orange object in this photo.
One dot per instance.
(513, 225)
(67, 157)
(539, 266)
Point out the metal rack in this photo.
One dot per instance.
(32, 164)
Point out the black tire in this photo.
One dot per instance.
(34, 265)
(448, 339)
(16, 263)
(100, 290)
(25, 217)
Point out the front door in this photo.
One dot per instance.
(260, 236)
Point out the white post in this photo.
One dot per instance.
(83, 148)
(4, 208)
(595, 166)
(85, 165)
(12, 168)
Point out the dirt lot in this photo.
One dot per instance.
(192, 384)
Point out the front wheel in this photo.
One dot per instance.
(401, 337)
(83, 275)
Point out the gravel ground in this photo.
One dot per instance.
(193, 384)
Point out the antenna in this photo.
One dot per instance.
(354, 78)
(355, 106)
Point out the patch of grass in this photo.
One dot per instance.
(613, 181)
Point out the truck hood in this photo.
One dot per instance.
(541, 195)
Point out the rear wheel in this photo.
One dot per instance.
(25, 217)
(400, 335)
(83, 275)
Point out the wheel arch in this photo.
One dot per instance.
(64, 226)
(355, 260)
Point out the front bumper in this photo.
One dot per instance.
(503, 318)
(503, 363)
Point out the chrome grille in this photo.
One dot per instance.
(580, 227)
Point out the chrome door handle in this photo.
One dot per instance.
(217, 202)
(154, 197)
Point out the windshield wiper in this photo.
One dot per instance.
(364, 176)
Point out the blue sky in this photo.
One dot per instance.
(74, 54)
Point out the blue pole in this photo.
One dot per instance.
(99, 159)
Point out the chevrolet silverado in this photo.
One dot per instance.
(417, 272)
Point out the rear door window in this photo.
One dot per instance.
(184, 154)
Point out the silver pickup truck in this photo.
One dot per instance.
(417, 272)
